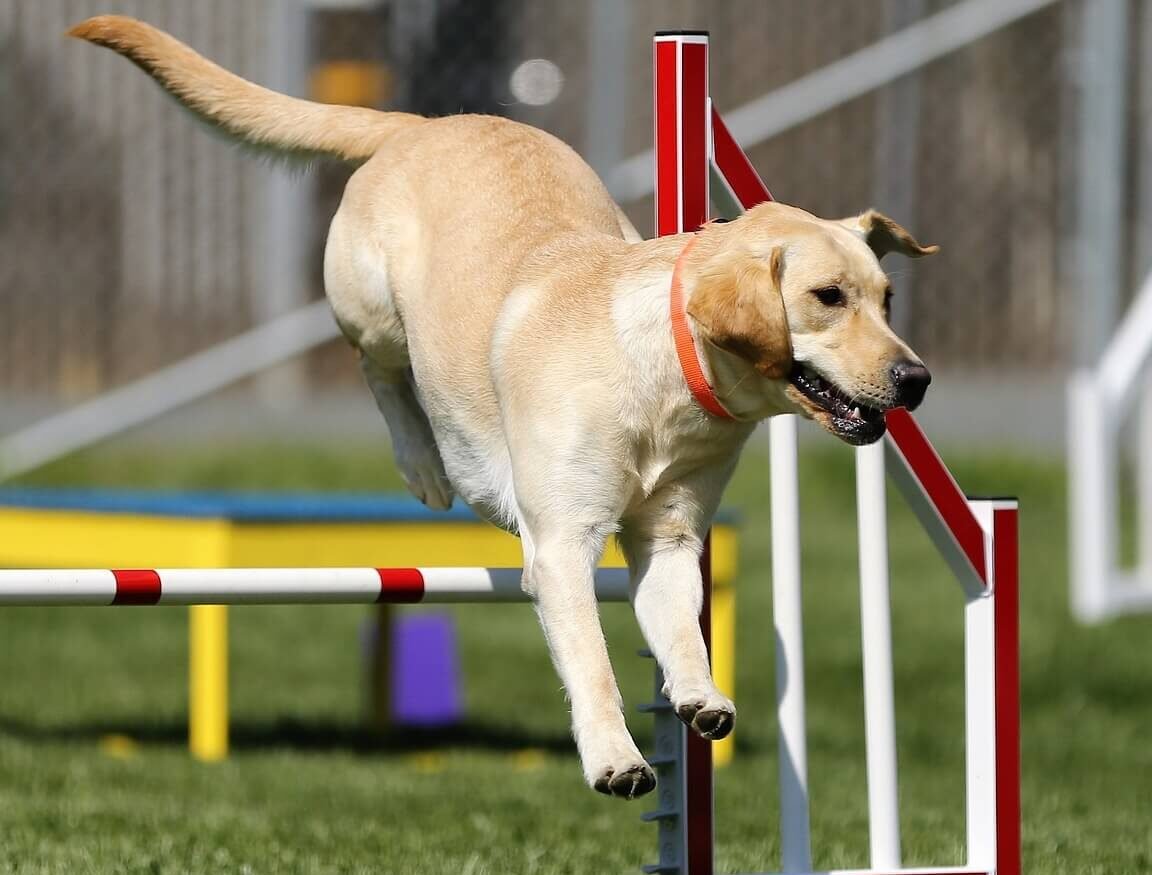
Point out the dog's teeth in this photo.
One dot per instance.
(856, 414)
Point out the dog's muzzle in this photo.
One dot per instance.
(910, 380)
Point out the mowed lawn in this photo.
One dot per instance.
(94, 776)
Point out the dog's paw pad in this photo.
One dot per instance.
(627, 783)
(713, 721)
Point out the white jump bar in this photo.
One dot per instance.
(227, 586)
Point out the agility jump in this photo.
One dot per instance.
(279, 586)
(977, 537)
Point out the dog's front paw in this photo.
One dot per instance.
(626, 780)
(613, 765)
(712, 717)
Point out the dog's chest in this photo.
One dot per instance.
(653, 468)
(665, 456)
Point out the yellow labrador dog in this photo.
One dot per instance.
(517, 335)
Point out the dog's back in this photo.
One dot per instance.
(431, 236)
(453, 213)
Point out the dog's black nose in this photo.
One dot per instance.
(911, 380)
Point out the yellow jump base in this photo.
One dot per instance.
(66, 528)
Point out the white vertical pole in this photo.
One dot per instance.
(1091, 499)
(876, 640)
(1142, 243)
(787, 614)
(895, 147)
(283, 207)
(607, 107)
(1103, 77)
(1143, 452)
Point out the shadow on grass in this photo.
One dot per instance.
(298, 735)
(326, 736)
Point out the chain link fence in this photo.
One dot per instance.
(130, 236)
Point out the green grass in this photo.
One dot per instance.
(307, 790)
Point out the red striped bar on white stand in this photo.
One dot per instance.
(682, 132)
(271, 586)
(682, 116)
(978, 538)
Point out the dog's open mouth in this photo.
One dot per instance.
(851, 420)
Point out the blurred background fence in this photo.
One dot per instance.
(130, 237)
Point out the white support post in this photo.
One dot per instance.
(1143, 452)
(1092, 499)
(281, 213)
(1103, 77)
(607, 102)
(787, 615)
(876, 639)
(671, 765)
(1098, 398)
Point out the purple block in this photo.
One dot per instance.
(425, 671)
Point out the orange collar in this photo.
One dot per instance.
(686, 346)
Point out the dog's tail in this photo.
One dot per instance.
(251, 114)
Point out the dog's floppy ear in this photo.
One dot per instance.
(737, 304)
(883, 235)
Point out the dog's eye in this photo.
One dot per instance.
(830, 296)
(888, 304)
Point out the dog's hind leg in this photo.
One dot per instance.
(413, 444)
(359, 287)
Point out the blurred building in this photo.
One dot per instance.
(130, 237)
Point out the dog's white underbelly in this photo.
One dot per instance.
(477, 464)
(484, 483)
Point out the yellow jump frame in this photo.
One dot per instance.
(72, 529)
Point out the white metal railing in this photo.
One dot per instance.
(167, 389)
(1100, 401)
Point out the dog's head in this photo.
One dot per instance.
(805, 302)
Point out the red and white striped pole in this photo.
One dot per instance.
(992, 696)
(979, 539)
(740, 188)
(291, 586)
(681, 123)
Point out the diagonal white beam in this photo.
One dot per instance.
(846, 79)
(1122, 363)
(167, 389)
